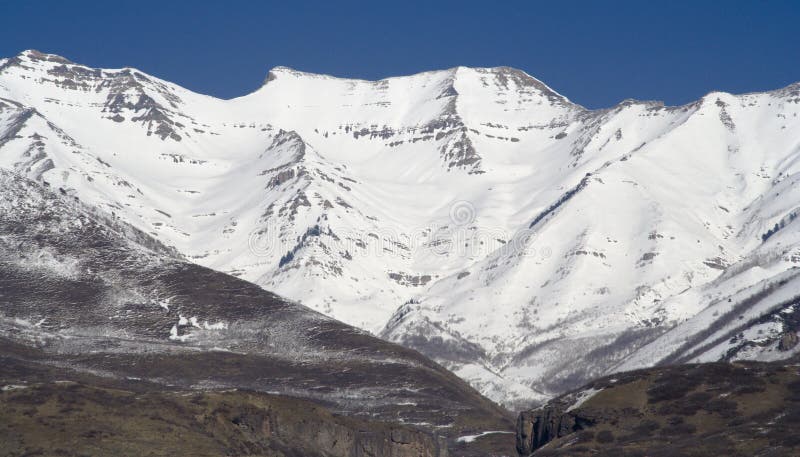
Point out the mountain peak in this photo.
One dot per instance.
(35, 55)
(282, 71)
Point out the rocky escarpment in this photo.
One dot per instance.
(742, 409)
(538, 427)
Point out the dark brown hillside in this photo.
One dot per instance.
(716, 409)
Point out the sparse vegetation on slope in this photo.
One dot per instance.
(716, 409)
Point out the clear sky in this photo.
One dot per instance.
(596, 53)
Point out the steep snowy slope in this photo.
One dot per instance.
(635, 244)
(474, 214)
(82, 294)
(350, 182)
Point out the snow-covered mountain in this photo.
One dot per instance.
(86, 298)
(475, 214)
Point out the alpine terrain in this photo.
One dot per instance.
(524, 242)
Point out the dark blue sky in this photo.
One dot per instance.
(596, 53)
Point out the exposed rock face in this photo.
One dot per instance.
(788, 341)
(127, 91)
(538, 427)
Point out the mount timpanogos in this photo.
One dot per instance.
(524, 242)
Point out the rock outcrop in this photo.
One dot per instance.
(538, 427)
(788, 341)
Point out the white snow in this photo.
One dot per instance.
(471, 438)
(215, 326)
(8, 387)
(174, 336)
(582, 397)
(425, 187)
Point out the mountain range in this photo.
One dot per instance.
(476, 215)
